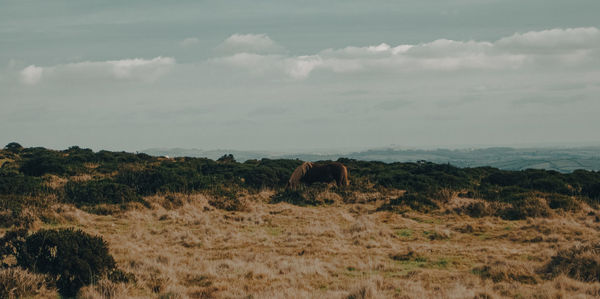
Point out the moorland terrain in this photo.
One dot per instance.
(561, 159)
(106, 224)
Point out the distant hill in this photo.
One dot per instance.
(559, 159)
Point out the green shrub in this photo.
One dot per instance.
(479, 209)
(562, 202)
(99, 192)
(267, 173)
(166, 178)
(581, 262)
(527, 207)
(44, 162)
(592, 191)
(73, 257)
(10, 244)
(13, 147)
(15, 183)
(307, 196)
(227, 158)
(290, 196)
(76, 155)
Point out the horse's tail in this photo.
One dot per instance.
(344, 176)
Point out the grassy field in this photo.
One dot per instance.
(334, 251)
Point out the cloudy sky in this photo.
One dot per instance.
(299, 75)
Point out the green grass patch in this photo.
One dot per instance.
(405, 233)
(484, 236)
(274, 231)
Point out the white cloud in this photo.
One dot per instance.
(300, 67)
(125, 69)
(140, 68)
(555, 40)
(190, 41)
(557, 48)
(249, 43)
(31, 75)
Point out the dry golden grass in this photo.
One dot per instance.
(54, 181)
(183, 247)
(19, 283)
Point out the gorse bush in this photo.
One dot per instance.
(562, 202)
(479, 209)
(527, 207)
(13, 147)
(99, 192)
(311, 196)
(581, 262)
(12, 182)
(40, 162)
(74, 258)
(165, 178)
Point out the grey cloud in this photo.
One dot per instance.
(548, 48)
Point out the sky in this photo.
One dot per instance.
(299, 75)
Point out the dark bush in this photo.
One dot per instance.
(165, 178)
(504, 178)
(99, 192)
(508, 271)
(16, 183)
(10, 244)
(527, 207)
(227, 158)
(562, 202)
(592, 191)
(479, 209)
(508, 194)
(267, 173)
(290, 196)
(415, 201)
(307, 196)
(76, 154)
(73, 257)
(43, 162)
(117, 157)
(13, 147)
(581, 262)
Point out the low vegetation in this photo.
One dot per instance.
(117, 225)
(581, 262)
(71, 258)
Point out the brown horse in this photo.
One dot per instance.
(323, 172)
